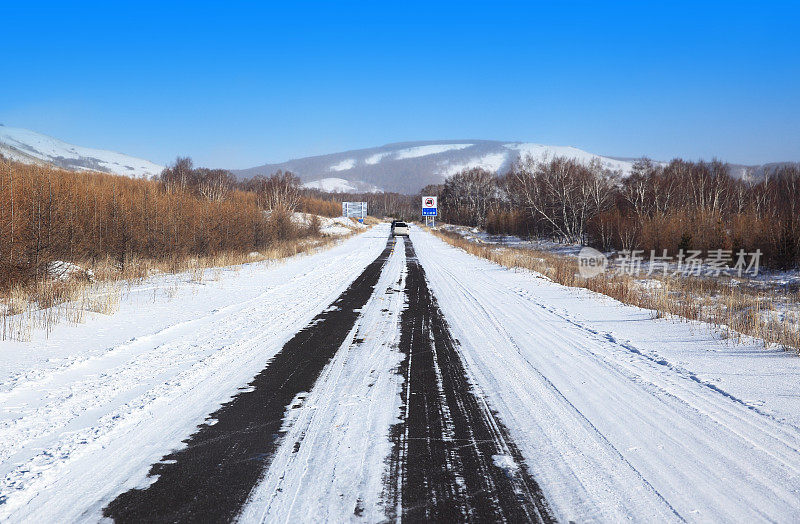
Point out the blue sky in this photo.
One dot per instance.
(236, 84)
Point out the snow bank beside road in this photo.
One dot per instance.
(336, 226)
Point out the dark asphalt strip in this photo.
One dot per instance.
(210, 479)
(443, 466)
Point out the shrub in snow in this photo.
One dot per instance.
(64, 271)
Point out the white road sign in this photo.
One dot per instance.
(354, 209)
(430, 206)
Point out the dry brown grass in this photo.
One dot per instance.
(44, 304)
(733, 309)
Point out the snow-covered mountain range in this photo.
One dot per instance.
(30, 147)
(404, 167)
(409, 166)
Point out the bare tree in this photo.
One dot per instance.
(468, 195)
(562, 194)
(280, 191)
(178, 176)
(214, 184)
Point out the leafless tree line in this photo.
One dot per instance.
(677, 205)
(51, 214)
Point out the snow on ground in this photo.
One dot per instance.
(344, 165)
(340, 463)
(541, 152)
(621, 416)
(336, 226)
(87, 410)
(29, 145)
(479, 236)
(64, 271)
(778, 303)
(509, 153)
(433, 149)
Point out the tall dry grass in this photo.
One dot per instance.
(41, 305)
(732, 309)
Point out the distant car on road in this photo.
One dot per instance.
(400, 228)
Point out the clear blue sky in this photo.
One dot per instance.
(239, 84)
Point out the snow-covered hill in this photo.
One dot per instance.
(30, 147)
(409, 166)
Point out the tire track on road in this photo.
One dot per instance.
(452, 459)
(330, 464)
(210, 479)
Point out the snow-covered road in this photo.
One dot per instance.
(376, 381)
(87, 411)
(620, 416)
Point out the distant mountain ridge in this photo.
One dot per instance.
(403, 167)
(30, 147)
(406, 167)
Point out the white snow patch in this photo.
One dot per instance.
(339, 226)
(377, 157)
(348, 163)
(649, 283)
(340, 185)
(64, 271)
(623, 417)
(336, 226)
(506, 463)
(333, 455)
(433, 149)
(331, 185)
(540, 152)
(491, 162)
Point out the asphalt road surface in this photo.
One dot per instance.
(452, 460)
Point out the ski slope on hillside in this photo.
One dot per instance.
(394, 380)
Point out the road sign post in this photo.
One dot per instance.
(430, 209)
